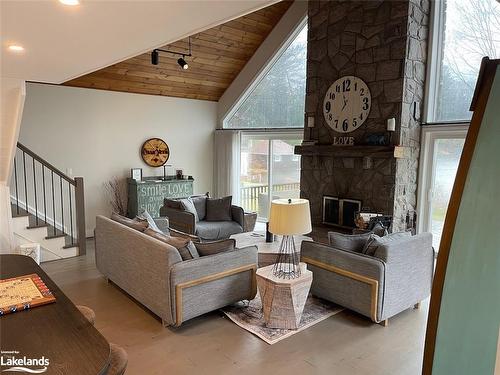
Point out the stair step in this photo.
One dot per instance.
(69, 246)
(57, 235)
(40, 225)
(18, 211)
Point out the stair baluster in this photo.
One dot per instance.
(67, 218)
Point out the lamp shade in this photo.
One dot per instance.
(290, 217)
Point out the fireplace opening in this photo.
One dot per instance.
(340, 212)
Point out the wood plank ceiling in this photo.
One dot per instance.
(219, 54)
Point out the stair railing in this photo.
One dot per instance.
(50, 196)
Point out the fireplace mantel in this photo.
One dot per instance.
(357, 151)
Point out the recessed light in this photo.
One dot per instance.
(16, 48)
(69, 2)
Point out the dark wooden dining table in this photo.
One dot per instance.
(57, 331)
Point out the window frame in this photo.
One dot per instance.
(435, 57)
(430, 133)
(278, 134)
(259, 77)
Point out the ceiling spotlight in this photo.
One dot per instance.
(16, 48)
(184, 65)
(69, 2)
(155, 57)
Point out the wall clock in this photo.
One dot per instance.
(347, 104)
(155, 152)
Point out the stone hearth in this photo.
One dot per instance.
(384, 43)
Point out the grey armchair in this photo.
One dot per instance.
(196, 224)
(397, 277)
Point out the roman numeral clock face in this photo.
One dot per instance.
(347, 104)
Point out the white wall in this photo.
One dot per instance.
(12, 95)
(98, 134)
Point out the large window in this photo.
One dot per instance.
(278, 99)
(463, 32)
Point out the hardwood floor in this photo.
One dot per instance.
(343, 344)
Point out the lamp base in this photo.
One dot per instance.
(287, 265)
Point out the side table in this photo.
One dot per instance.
(283, 300)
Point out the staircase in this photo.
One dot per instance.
(47, 207)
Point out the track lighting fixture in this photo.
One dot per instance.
(184, 65)
(155, 56)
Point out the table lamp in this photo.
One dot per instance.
(289, 217)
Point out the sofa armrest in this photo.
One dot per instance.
(211, 282)
(350, 279)
(238, 215)
(119, 255)
(180, 220)
(409, 274)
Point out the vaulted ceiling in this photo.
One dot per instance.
(218, 55)
(62, 42)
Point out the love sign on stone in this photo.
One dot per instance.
(343, 141)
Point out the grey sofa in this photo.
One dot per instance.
(154, 273)
(398, 276)
(196, 224)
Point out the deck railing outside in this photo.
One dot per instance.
(250, 195)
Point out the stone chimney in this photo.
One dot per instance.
(385, 44)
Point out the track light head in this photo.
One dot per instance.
(183, 64)
(155, 57)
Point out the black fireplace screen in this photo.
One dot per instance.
(341, 212)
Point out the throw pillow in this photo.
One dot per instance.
(188, 205)
(200, 203)
(184, 246)
(215, 247)
(219, 209)
(379, 230)
(349, 242)
(151, 223)
(136, 224)
(375, 241)
(172, 203)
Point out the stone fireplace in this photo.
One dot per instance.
(385, 44)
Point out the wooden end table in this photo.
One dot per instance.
(283, 300)
(268, 251)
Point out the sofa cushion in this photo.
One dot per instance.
(172, 203)
(144, 215)
(200, 204)
(188, 205)
(184, 246)
(379, 230)
(375, 241)
(215, 247)
(135, 223)
(219, 209)
(215, 230)
(349, 242)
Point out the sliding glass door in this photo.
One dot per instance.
(440, 158)
(268, 160)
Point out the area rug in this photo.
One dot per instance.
(248, 315)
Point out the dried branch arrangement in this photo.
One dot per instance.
(116, 190)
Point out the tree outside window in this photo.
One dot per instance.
(472, 31)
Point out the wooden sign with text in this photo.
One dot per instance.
(343, 141)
